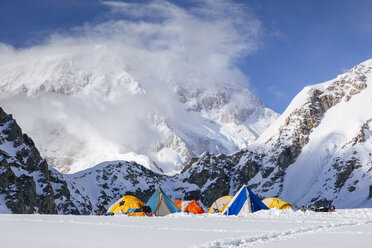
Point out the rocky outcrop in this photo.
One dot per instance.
(27, 184)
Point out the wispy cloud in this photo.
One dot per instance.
(210, 35)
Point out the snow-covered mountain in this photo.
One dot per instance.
(323, 143)
(317, 152)
(87, 104)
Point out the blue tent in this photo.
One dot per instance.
(160, 204)
(244, 202)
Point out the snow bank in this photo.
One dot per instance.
(272, 228)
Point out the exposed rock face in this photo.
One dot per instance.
(218, 175)
(212, 175)
(301, 121)
(27, 185)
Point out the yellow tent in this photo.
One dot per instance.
(276, 203)
(125, 203)
(219, 205)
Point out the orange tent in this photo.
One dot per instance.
(190, 206)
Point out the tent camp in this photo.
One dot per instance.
(219, 205)
(160, 204)
(243, 203)
(189, 206)
(276, 203)
(125, 203)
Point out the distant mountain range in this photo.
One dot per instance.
(317, 152)
(92, 104)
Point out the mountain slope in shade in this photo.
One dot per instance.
(88, 104)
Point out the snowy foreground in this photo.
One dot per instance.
(272, 228)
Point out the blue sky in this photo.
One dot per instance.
(294, 43)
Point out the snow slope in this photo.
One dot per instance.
(86, 104)
(272, 228)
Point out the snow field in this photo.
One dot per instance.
(273, 228)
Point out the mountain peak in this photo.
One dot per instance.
(88, 104)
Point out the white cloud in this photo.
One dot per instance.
(210, 35)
